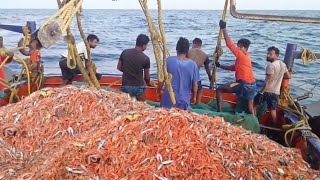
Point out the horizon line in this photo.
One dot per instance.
(165, 9)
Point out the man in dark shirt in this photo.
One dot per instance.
(135, 64)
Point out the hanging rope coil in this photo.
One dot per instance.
(293, 108)
(69, 10)
(308, 56)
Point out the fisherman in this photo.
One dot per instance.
(245, 82)
(34, 46)
(185, 78)
(201, 58)
(275, 72)
(68, 74)
(135, 66)
(8, 55)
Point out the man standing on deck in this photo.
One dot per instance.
(201, 58)
(34, 61)
(185, 78)
(68, 74)
(135, 64)
(245, 82)
(275, 72)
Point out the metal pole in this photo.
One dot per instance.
(1, 42)
(236, 14)
(31, 26)
(290, 55)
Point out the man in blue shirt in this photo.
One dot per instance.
(185, 77)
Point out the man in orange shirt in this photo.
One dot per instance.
(245, 85)
(33, 52)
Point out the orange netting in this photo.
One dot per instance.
(84, 133)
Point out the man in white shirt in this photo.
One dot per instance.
(275, 72)
(68, 74)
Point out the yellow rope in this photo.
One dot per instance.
(219, 51)
(288, 104)
(308, 56)
(114, 83)
(27, 71)
(159, 44)
(90, 65)
(155, 38)
(167, 76)
(71, 57)
(27, 39)
(4, 61)
(66, 13)
(303, 124)
(64, 16)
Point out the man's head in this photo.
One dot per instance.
(35, 44)
(92, 40)
(142, 41)
(243, 44)
(182, 46)
(197, 43)
(273, 54)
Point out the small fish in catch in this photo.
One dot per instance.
(101, 143)
(159, 177)
(58, 106)
(149, 119)
(281, 171)
(231, 173)
(268, 175)
(145, 161)
(251, 152)
(57, 134)
(117, 111)
(61, 95)
(159, 157)
(160, 167)
(167, 162)
(70, 131)
(17, 118)
(73, 170)
(79, 144)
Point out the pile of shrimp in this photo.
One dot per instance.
(86, 133)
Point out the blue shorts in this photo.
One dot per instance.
(270, 98)
(199, 85)
(244, 90)
(133, 90)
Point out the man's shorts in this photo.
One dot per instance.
(270, 98)
(244, 90)
(199, 85)
(133, 90)
(68, 74)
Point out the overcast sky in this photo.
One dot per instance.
(170, 4)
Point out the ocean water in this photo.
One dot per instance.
(118, 29)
